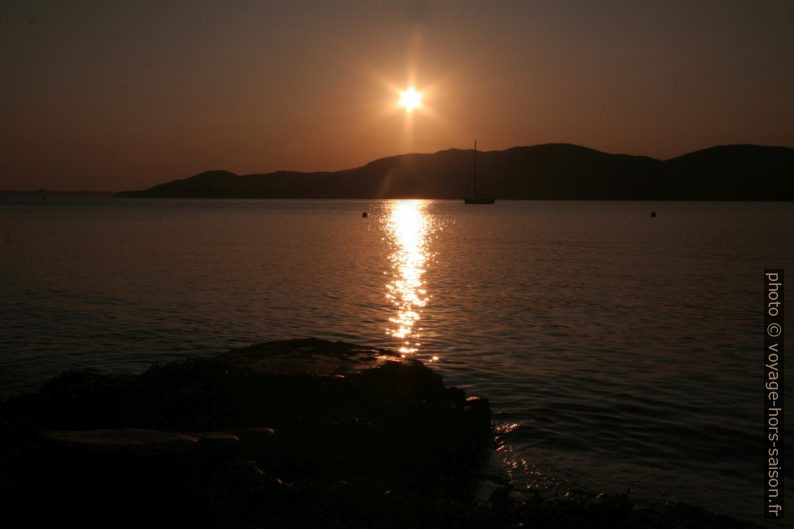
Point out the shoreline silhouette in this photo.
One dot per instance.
(545, 172)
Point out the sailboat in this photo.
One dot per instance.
(477, 197)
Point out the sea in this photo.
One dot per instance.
(621, 352)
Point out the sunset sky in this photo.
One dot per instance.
(123, 95)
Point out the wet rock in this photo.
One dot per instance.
(218, 444)
(489, 489)
(308, 356)
(264, 432)
(478, 418)
(131, 441)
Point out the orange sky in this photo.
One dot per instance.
(124, 96)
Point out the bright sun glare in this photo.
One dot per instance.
(410, 99)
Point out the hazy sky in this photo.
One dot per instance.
(113, 95)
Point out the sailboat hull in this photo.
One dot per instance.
(479, 200)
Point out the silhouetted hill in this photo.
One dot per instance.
(729, 172)
(551, 171)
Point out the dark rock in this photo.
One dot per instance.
(336, 413)
(131, 441)
(264, 433)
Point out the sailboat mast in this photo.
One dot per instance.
(476, 198)
(476, 193)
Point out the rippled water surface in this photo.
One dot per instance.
(621, 352)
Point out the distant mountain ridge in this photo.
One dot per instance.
(549, 171)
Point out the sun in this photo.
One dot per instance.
(410, 99)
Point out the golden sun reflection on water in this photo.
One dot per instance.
(408, 227)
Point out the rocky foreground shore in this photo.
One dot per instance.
(300, 433)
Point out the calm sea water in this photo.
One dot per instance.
(621, 352)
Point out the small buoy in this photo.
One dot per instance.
(653, 213)
(364, 215)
